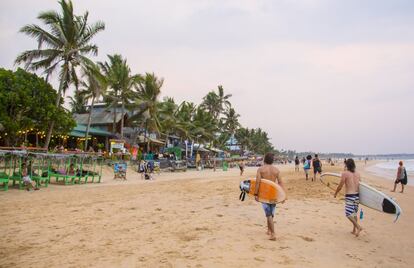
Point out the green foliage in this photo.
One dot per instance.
(78, 102)
(28, 102)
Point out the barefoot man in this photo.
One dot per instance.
(268, 172)
(351, 180)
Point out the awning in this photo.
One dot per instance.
(92, 131)
(77, 134)
(143, 139)
(215, 150)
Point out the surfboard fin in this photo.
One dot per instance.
(396, 218)
(242, 196)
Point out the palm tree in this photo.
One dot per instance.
(78, 102)
(64, 46)
(243, 138)
(223, 100)
(147, 104)
(122, 83)
(169, 120)
(94, 88)
(231, 121)
(211, 104)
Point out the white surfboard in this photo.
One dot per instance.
(368, 195)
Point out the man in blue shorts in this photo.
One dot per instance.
(268, 172)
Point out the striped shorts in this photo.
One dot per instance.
(351, 204)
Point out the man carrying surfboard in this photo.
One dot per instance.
(268, 172)
(351, 179)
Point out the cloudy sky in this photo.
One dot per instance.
(320, 75)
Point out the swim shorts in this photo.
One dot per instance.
(351, 204)
(317, 170)
(269, 209)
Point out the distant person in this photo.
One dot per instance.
(401, 177)
(214, 164)
(351, 180)
(307, 166)
(241, 166)
(198, 161)
(303, 160)
(268, 172)
(317, 167)
(26, 178)
(344, 164)
(297, 162)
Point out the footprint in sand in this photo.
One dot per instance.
(219, 215)
(259, 259)
(308, 239)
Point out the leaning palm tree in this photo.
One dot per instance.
(94, 88)
(122, 82)
(63, 46)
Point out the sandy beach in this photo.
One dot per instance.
(195, 219)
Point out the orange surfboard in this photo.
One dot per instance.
(269, 192)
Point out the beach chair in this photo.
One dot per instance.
(4, 180)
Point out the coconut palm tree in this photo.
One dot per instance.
(122, 84)
(216, 103)
(146, 103)
(94, 88)
(63, 45)
(243, 138)
(78, 102)
(231, 121)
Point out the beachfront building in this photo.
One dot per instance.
(103, 118)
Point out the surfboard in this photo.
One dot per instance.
(269, 192)
(368, 195)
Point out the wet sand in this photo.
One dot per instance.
(194, 219)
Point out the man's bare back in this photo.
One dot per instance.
(351, 181)
(268, 172)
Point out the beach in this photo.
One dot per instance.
(195, 219)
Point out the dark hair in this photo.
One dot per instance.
(269, 158)
(350, 165)
(309, 157)
(401, 163)
(316, 155)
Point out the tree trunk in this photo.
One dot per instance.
(114, 123)
(89, 123)
(52, 124)
(122, 119)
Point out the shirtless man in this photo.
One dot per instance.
(268, 172)
(351, 180)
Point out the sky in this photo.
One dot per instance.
(317, 75)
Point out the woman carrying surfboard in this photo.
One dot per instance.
(268, 172)
(351, 179)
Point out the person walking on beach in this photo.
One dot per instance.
(401, 177)
(317, 166)
(297, 162)
(268, 172)
(307, 166)
(350, 179)
(241, 166)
